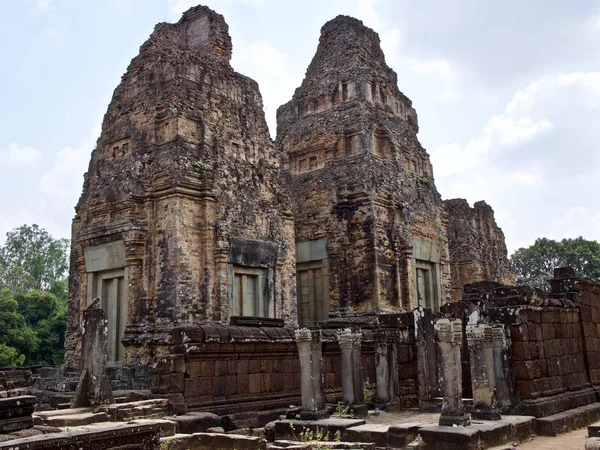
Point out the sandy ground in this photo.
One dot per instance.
(575, 440)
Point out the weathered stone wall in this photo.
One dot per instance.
(547, 349)
(476, 245)
(228, 369)
(358, 176)
(183, 167)
(552, 354)
(589, 296)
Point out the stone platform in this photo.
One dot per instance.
(479, 435)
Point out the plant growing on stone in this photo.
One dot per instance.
(423, 180)
(343, 412)
(316, 437)
(200, 166)
(370, 391)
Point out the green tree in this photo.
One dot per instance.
(14, 331)
(10, 356)
(46, 315)
(32, 259)
(535, 264)
(33, 297)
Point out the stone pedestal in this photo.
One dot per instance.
(386, 368)
(481, 358)
(94, 388)
(311, 374)
(449, 337)
(352, 381)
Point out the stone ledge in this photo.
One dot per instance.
(214, 441)
(144, 436)
(568, 420)
(546, 406)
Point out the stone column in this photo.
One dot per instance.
(483, 382)
(352, 381)
(449, 337)
(311, 374)
(503, 371)
(94, 388)
(386, 368)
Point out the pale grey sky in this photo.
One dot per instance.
(507, 93)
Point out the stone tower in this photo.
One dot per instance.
(181, 218)
(370, 224)
(476, 245)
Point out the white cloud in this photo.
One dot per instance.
(15, 155)
(11, 220)
(365, 11)
(61, 185)
(440, 68)
(178, 7)
(64, 179)
(575, 222)
(44, 5)
(270, 68)
(515, 130)
(532, 160)
(124, 6)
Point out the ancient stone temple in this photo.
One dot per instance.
(476, 244)
(370, 224)
(181, 219)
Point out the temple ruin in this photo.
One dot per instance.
(230, 276)
(182, 217)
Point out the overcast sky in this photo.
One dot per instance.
(507, 93)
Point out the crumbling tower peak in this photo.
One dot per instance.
(348, 50)
(200, 31)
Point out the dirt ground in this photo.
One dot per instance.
(575, 440)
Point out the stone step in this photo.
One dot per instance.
(386, 436)
(73, 420)
(569, 420)
(43, 415)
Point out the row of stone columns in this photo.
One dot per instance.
(311, 369)
(487, 347)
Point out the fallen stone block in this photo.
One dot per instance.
(167, 427)
(451, 438)
(15, 424)
(239, 421)
(74, 420)
(376, 433)
(214, 441)
(333, 426)
(196, 422)
(399, 436)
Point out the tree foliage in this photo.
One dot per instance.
(535, 264)
(32, 259)
(33, 297)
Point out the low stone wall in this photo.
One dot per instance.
(547, 349)
(229, 369)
